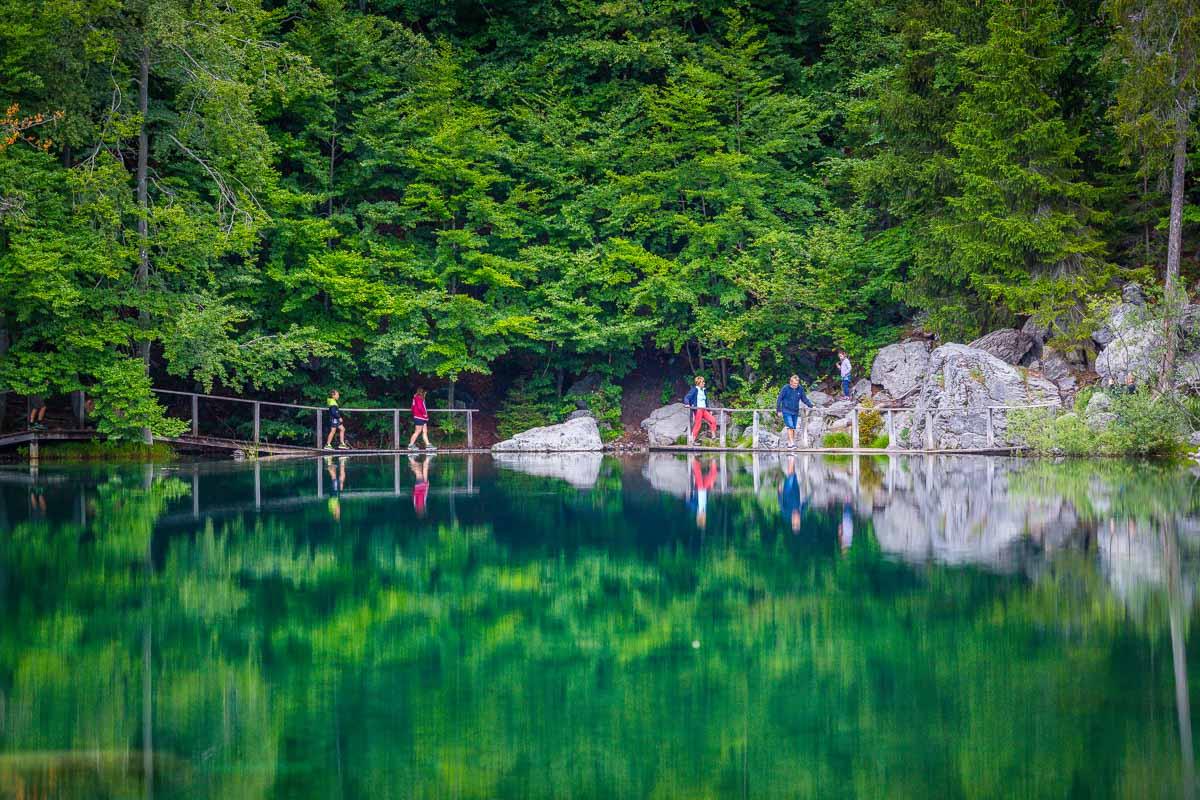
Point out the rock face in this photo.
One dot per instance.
(900, 368)
(1055, 368)
(962, 377)
(574, 435)
(666, 424)
(1009, 345)
(1099, 414)
(581, 470)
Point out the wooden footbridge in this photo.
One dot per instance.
(257, 444)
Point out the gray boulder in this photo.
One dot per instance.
(900, 368)
(573, 435)
(667, 424)
(581, 413)
(1099, 414)
(1009, 345)
(962, 383)
(1135, 349)
(1132, 294)
(861, 389)
(820, 398)
(1053, 367)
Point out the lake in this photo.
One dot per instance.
(588, 627)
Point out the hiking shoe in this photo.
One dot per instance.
(328, 447)
(412, 447)
(430, 447)
(343, 446)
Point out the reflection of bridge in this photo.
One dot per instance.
(257, 444)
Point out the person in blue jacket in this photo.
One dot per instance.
(788, 404)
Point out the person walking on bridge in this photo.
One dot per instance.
(420, 420)
(697, 400)
(788, 404)
(335, 423)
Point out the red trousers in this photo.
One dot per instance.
(701, 416)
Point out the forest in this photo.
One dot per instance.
(277, 196)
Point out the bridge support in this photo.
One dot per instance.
(854, 428)
(754, 432)
(257, 421)
(470, 430)
(396, 429)
(320, 433)
(195, 415)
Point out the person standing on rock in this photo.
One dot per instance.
(844, 370)
(788, 404)
(697, 400)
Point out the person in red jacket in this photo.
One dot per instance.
(420, 420)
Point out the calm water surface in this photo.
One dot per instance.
(592, 628)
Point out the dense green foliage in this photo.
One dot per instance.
(1140, 424)
(300, 192)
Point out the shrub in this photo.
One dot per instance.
(837, 439)
(880, 442)
(870, 421)
(1144, 425)
(533, 403)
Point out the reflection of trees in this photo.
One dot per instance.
(393, 661)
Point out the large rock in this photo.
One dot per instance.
(1099, 414)
(900, 368)
(581, 470)
(665, 425)
(1009, 345)
(573, 435)
(1053, 367)
(963, 382)
(1135, 349)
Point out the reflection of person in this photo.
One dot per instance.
(37, 503)
(701, 483)
(420, 492)
(335, 422)
(788, 404)
(846, 529)
(420, 420)
(337, 481)
(697, 400)
(791, 502)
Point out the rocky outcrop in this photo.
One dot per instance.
(900, 368)
(1099, 414)
(967, 381)
(574, 435)
(581, 470)
(666, 424)
(1010, 346)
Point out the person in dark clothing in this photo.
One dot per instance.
(335, 423)
(788, 404)
(37, 413)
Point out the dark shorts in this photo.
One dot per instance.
(790, 420)
(419, 422)
(335, 422)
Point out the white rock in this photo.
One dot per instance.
(666, 424)
(574, 435)
(900, 368)
(581, 470)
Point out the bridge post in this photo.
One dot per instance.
(195, 415)
(257, 425)
(891, 429)
(33, 452)
(754, 433)
(854, 428)
(804, 438)
(722, 428)
(320, 433)
(470, 430)
(928, 430)
(78, 406)
(396, 430)
(991, 431)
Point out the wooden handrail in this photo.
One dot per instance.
(303, 407)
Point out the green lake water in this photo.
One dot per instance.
(587, 627)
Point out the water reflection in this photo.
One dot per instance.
(663, 626)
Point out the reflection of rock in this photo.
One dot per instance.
(959, 510)
(581, 470)
(665, 425)
(575, 434)
(668, 473)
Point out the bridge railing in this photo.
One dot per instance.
(319, 415)
(723, 416)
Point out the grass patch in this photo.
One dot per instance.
(880, 442)
(837, 439)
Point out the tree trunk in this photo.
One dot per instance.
(142, 279)
(1172, 296)
(4, 340)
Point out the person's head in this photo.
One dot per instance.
(1129, 379)
(795, 520)
(700, 381)
(794, 381)
(841, 353)
(420, 392)
(334, 394)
